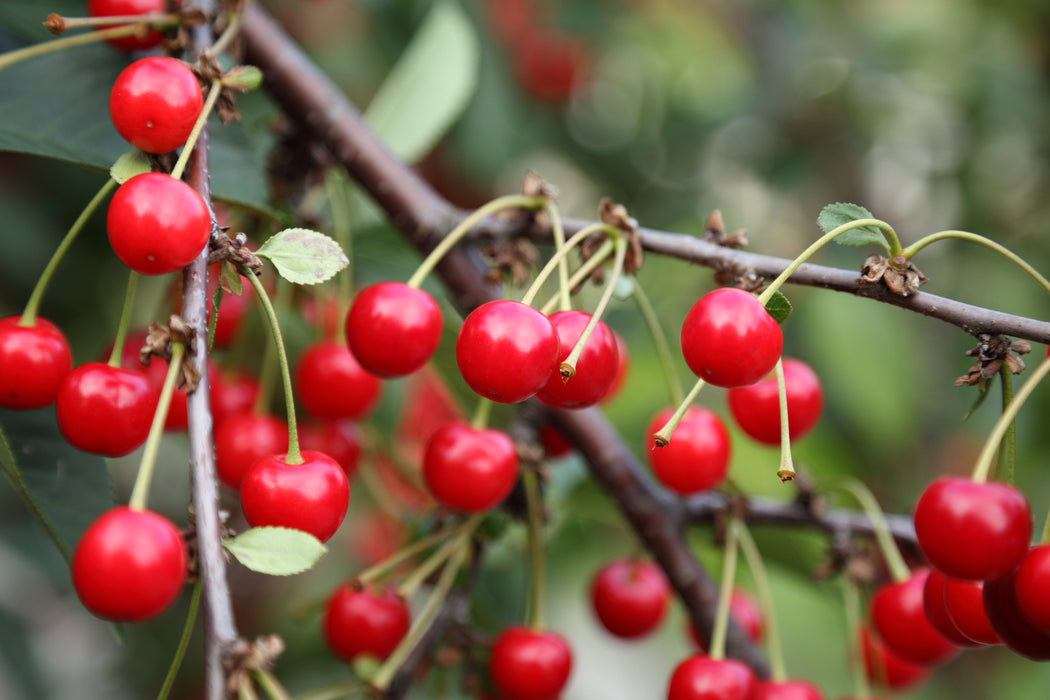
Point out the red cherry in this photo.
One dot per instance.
(154, 103)
(364, 623)
(231, 393)
(703, 678)
(550, 67)
(393, 329)
(973, 531)
(312, 496)
(427, 405)
(339, 439)
(936, 610)
(469, 470)
(119, 8)
(155, 371)
(964, 601)
(157, 224)
(129, 565)
(33, 362)
(553, 442)
(745, 612)
(898, 615)
(244, 438)
(105, 410)
(506, 351)
(729, 339)
(788, 690)
(887, 669)
(511, 19)
(756, 407)
(629, 597)
(331, 384)
(595, 370)
(1031, 584)
(1014, 629)
(529, 665)
(697, 458)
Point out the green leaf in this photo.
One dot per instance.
(302, 256)
(834, 215)
(129, 165)
(230, 279)
(983, 388)
(429, 88)
(277, 551)
(243, 78)
(779, 307)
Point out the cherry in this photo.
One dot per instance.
(933, 604)
(550, 67)
(697, 458)
(331, 384)
(232, 393)
(242, 439)
(704, 678)
(511, 19)
(118, 8)
(553, 442)
(339, 439)
(357, 623)
(427, 405)
(1031, 585)
(469, 470)
(745, 612)
(756, 407)
(529, 665)
(393, 329)
(155, 371)
(1009, 622)
(898, 615)
(105, 410)
(129, 565)
(595, 370)
(154, 103)
(629, 597)
(964, 601)
(787, 690)
(157, 224)
(312, 496)
(884, 667)
(33, 362)
(729, 339)
(506, 350)
(972, 531)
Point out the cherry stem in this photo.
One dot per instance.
(233, 25)
(1008, 449)
(663, 350)
(534, 504)
(337, 691)
(67, 42)
(559, 256)
(377, 571)
(294, 456)
(480, 420)
(662, 437)
(117, 354)
(336, 191)
(778, 670)
(851, 600)
(375, 488)
(991, 445)
(270, 685)
(980, 240)
(463, 532)
(32, 306)
(894, 251)
(581, 273)
(209, 103)
(890, 552)
(245, 691)
(563, 264)
(717, 644)
(568, 366)
(184, 642)
(511, 201)
(140, 492)
(57, 24)
(786, 471)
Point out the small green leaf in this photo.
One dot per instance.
(242, 78)
(277, 551)
(132, 163)
(982, 394)
(230, 279)
(302, 256)
(835, 215)
(779, 307)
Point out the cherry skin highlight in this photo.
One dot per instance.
(529, 665)
(33, 362)
(364, 623)
(393, 329)
(312, 496)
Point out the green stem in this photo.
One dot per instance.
(563, 263)
(155, 20)
(233, 25)
(895, 250)
(717, 645)
(376, 571)
(481, 414)
(140, 492)
(213, 320)
(534, 503)
(245, 691)
(270, 685)
(786, 471)
(184, 642)
(991, 445)
(1008, 449)
(293, 456)
(213, 95)
(663, 350)
(117, 353)
(765, 599)
(890, 552)
(506, 202)
(980, 240)
(424, 570)
(67, 42)
(336, 191)
(560, 254)
(581, 273)
(852, 604)
(568, 366)
(339, 691)
(32, 306)
(267, 376)
(662, 437)
(1044, 537)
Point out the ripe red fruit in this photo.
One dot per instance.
(118, 8)
(898, 616)
(154, 103)
(1031, 584)
(506, 351)
(331, 384)
(155, 371)
(553, 442)
(1014, 629)
(745, 612)
(550, 67)
(33, 362)
(529, 665)
(364, 623)
(703, 678)
(933, 604)
(393, 329)
(595, 370)
(697, 458)
(339, 439)
(129, 565)
(964, 601)
(469, 470)
(787, 690)
(756, 407)
(886, 668)
(244, 438)
(105, 410)
(231, 393)
(729, 339)
(312, 496)
(629, 597)
(157, 224)
(973, 531)
(427, 405)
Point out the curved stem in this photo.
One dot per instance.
(662, 437)
(1008, 449)
(559, 255)
(980, 240)
(786, 471)
(481, 414)
(534, 504)
(339, 691)
(568, 365)
(890, 552)
(233, 26)
(155, 20)
(117, 353)
(270, 685)
(463, 533)
(336, 191)
(778, 671)
(717, 644)
(140, 492)
(376, 571)
(851, 599)
(563, 264)
(581, 273)
(184, 642)
(213, 95)
(663, 350)
(67, 42)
